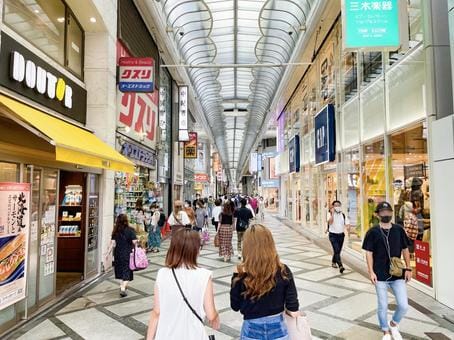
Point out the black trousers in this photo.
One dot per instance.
(337, 241)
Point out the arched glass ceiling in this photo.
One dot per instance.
(224, 33)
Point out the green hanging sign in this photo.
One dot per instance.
(374, 25)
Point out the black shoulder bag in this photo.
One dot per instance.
(210, 337)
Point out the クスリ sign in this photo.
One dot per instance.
(25, 73)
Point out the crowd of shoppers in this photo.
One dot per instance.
(262, 287)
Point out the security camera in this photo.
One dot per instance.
(290, 32)
(181, 31)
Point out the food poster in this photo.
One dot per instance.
(14, 229)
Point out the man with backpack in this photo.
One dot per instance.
(337, 223)
(243, 215)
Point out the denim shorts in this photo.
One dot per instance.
(266, 328)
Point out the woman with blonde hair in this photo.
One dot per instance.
(178, 218)
(263, 288)
(183, 293)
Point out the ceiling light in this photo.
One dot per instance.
(36, 11)
(92, 20)
(60, 19)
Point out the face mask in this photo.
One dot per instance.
(186, 205)
(385, 219)
(338, 209)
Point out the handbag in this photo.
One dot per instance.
(210, 337)
(216, 240)
(396, 266)
(138, 259)
(298, 328)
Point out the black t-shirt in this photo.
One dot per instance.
(283, 295)
(243, 215)
(375, 242)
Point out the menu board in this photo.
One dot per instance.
(92, 222)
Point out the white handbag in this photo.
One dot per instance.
(298, 328)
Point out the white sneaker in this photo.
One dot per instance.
(386, 337)
(395, 332)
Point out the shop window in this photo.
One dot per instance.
(9, 172)
(372, 66)
(44, 24)
(350, 76)
(351, 196)
(410, 176)
(74, 46)
(373, 182)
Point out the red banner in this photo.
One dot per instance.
(423, 267)
(201, 178)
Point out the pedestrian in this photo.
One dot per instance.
(243, 216)
(261, 208)
(201, 216)
(194, 203)
(178, 218)
(249, 206)
(183, 293)
(225, 232)
(190, 212)
(210, 206)
(122, 242)
(216, 212)
(384, 244)
(337, 224)
(263, 288)
(156, 222)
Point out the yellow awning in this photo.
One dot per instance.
(72, 144)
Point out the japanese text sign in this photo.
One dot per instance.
(190, 147)
(14, 229)
(136, 74)
(423, 267)
(183, 113)
(374, 25)
(201, 178)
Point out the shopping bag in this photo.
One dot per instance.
(216, 240)
(298, 328)
(205, 235)
(138, 259)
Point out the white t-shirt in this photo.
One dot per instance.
(216, 211)
(339, 223)
(182, 218)
(176, 321)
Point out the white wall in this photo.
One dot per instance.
(100, 80)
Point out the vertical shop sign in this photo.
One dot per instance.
(216, 162)
(183, 135)
(281, 133)
(325, 135)
(422, 257)
(14, 230)
(374, 25)
(200, 163)
(136, 74)
(294, 154)
(163, 112)
(253, 163)
(272, 168)
(190, 147)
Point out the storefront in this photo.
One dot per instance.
(46, 149)
(381, 137)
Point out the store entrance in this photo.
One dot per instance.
(71, 230)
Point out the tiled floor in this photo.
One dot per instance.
(338, 306)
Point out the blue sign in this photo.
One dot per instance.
(294, 154)
(325, 135)
(270, 183)
(137, 153)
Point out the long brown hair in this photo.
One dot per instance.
(184, 249)
(121, 224)
(260, 263)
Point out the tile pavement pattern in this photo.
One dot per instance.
(338, 306)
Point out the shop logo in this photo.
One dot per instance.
(44, 82)
(321, 137)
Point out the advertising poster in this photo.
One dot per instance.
(190, 147)
(422, 257)
(136, 74)
(14, 229)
